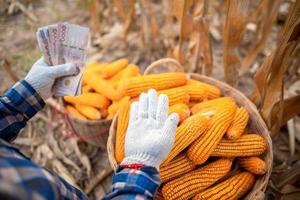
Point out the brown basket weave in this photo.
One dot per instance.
(256, 124)
(94, 132)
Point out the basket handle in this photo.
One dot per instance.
(176, 66)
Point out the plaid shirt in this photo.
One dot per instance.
(20, 178)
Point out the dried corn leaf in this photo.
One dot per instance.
(203, 54)
(200, 8)
(125, 9)
(268, 10)
(169, 24)
(292, 135)
(269, 78)
(237, 12)
(145, 23)
(257, 10)
(97, 179)
(62, 171)
(291, 107)
(129, 17)
(203, 51)
(84, 159)
(181, 12)
(121, 8)
(154, 29)
(178, 6)
(8, 69)
(290, 175)
(95, 8)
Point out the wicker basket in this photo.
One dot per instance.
(94, 132)
(256, 124)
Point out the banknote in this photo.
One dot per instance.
(61, 43)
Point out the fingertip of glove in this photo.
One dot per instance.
(143, 94)
(152, 91)
(163, 98)
(174, 117)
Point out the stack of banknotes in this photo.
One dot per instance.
(61, 43)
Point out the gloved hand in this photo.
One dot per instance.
(41, 76)
(151, 133)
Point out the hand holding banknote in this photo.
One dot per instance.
(64, 43)
(41, 77)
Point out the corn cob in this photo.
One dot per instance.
(211, 105)
(176, 95)
(88, 111)
(196, 91)
(159, 195)
(181, 109)
(104, 113)
(114, 107)
(86, 89)
(196, 181)
(136, 85)
(91, 68)
(212, 92)
(117, 77)
(232, 188)
(103, 87)
(246, 145)
(75, 113)
(192, 104)
(181, 164)
(130, 71)
(201, 149)
(255, 165)
(113, 68)
(238, 125)
(123, 119)
(89, 99)
(186, 133)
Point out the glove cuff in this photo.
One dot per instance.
(141, 158)
(37, 87)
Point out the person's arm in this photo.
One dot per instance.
(17, 106)
(149, 139)
(20, 178)
(134, 183)
(26, 98)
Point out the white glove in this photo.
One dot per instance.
(41, 76)
(151, 133)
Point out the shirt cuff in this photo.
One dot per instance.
(146, 178)
(24, 97)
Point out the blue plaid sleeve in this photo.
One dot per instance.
(20, 178)
(134, 184)
(17, 106)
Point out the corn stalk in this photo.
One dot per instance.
(236, 19)
(265, 15)
(269, 77)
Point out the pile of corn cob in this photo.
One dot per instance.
(100, 97)
(210, 139)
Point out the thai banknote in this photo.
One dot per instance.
(61, 43)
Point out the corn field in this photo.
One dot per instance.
(253, 46)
